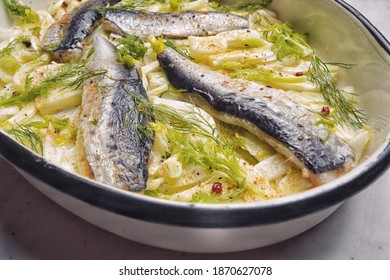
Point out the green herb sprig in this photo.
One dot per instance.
(207, 154)
(8, 49)
(201, 197)
(341, 65)
(181, 51)
(345, 108)
(131, 49)
(180, 125)
(131, 5)
(186, 121)
(26, 136)
(247, 6)
(286, 42)
(69, 75)
(24, 13)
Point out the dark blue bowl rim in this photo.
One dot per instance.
(181, 214)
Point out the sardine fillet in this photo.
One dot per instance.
(65, 38)
(266, 112)
(115, 152)
(171, 25)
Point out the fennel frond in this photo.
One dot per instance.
(69, 75)
(26, 136)
(246, 6)
(345, 108)
(23, 13)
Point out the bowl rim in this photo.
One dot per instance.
(161, 211)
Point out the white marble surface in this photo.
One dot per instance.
(33, 227)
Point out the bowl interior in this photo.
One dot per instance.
(350, 41)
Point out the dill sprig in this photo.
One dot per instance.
(65, 131)
(207, 154)
(341, 65)
(180, 125)
(218, 154)
(26, 136)
(69, 75)
(327, 119)
(247, 6)
(186, 121)
(133, 46)
(157, 194)
(8, 49)
(181, 51)
(286, 41)
(24, 13)
(131, 5)
(345, 108)
(175, 5)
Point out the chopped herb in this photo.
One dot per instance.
(24, 13)
(51, 47)
(326, 117)
(8, 49)
(181, 51)
(156, 193)
(131, 49)
(179, 125)
(218, 152)
(175, 4)
(158, 44)
(247, 6)
(65, 132)
(201, 197)
(286, 42)
(131, 5)
(173, 92)
(9, 64)
(342, 65)
(127, 59)
(205, 153)
(58, 124)
(253, 72)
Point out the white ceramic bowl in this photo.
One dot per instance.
(216, 228)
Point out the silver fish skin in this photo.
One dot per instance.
(65, 38)
(110, 148)
(171, 25)
(268, 113)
